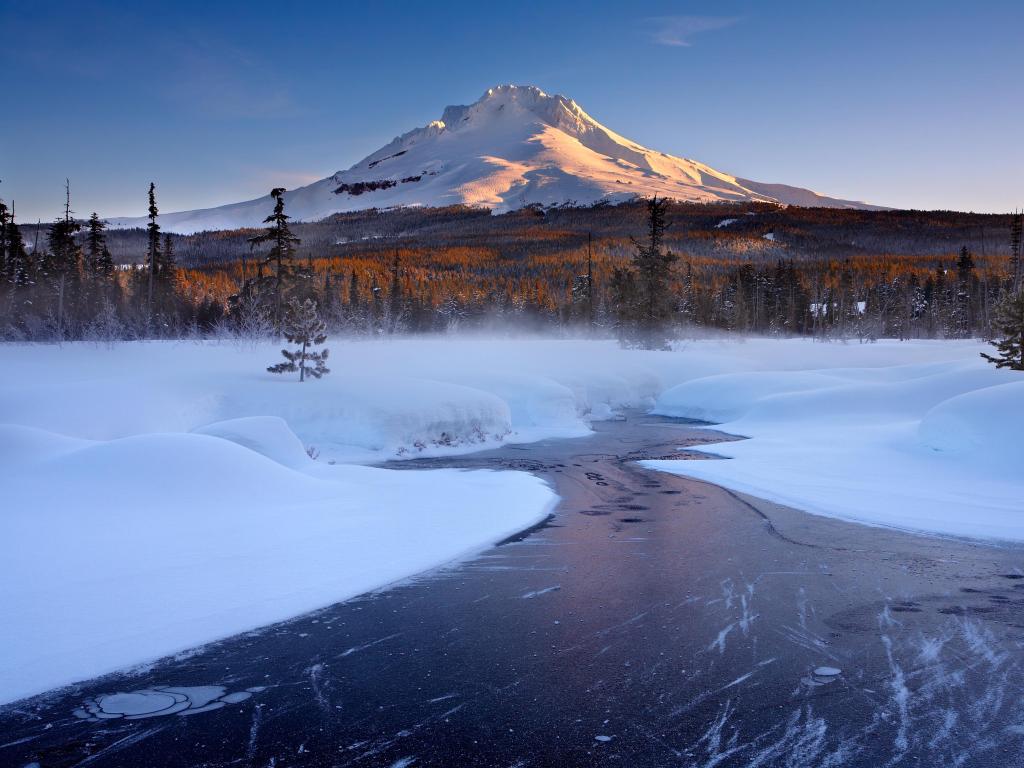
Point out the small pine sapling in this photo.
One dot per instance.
(303, 327)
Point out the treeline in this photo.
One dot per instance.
(924, 274)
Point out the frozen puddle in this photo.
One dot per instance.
(823, 676)
(160, 701)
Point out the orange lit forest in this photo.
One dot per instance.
(751, 268)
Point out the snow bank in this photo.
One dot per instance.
(984, 426)
(116, 552)
(931, 446)
(383, 400)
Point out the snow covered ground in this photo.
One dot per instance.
(161, 495)
(931, 441)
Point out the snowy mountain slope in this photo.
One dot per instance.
(516, 146)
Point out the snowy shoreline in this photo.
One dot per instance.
(162, 495)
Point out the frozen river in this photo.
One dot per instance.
(652, 621)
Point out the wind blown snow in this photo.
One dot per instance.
(162, 495)
(930, 440)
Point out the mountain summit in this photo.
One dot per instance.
(515, 146)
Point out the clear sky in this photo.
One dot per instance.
(909, 104)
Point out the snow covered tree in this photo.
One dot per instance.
(303, 327)
(1009, 331)
(963, 308)
(20, 269)
(282, 249)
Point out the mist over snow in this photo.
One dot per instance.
(160, 495)
(515, 146)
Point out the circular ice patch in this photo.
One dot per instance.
(159, 702)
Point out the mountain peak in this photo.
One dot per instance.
(514, 146)
(518, 102)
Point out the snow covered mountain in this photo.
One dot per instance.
(516, 146)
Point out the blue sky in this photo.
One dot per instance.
(910, 104)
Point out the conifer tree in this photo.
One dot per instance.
(396, 303)
(303, 326)
(63, 262)
(1016, 237)
(167, 262)
(353, 291)
(963, 311)
(1009, 332)
(5, 217)
(282, 249)
(101, 263)
(153, 244)
(645, 302)
(20, 270)
(624, 300)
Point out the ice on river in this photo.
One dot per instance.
(160, 495)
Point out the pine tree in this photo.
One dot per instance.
(1009, 331)
(282, 249)
(645, 302)
(153, 244)
(303, 326)
(1016, 237)
(64, 261)
(100, 261)
(5, 218)
(963, 309)
(20, 268)
(396, 302)
(167, 263)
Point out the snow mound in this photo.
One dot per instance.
(729, 397)
(931, 446)
(19, 443)
(984, 424)
(266, 435)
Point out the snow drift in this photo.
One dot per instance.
(931, 446)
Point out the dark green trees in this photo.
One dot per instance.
(100, 262)
(1016, 238)
(642, 293)
(63, 264)
(1008, 325)
(282, 249)
(161, 271)
(396, 302)
(153, 246)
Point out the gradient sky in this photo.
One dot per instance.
(909, 104)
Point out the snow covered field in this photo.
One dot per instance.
(933, 444)
(160, 495)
